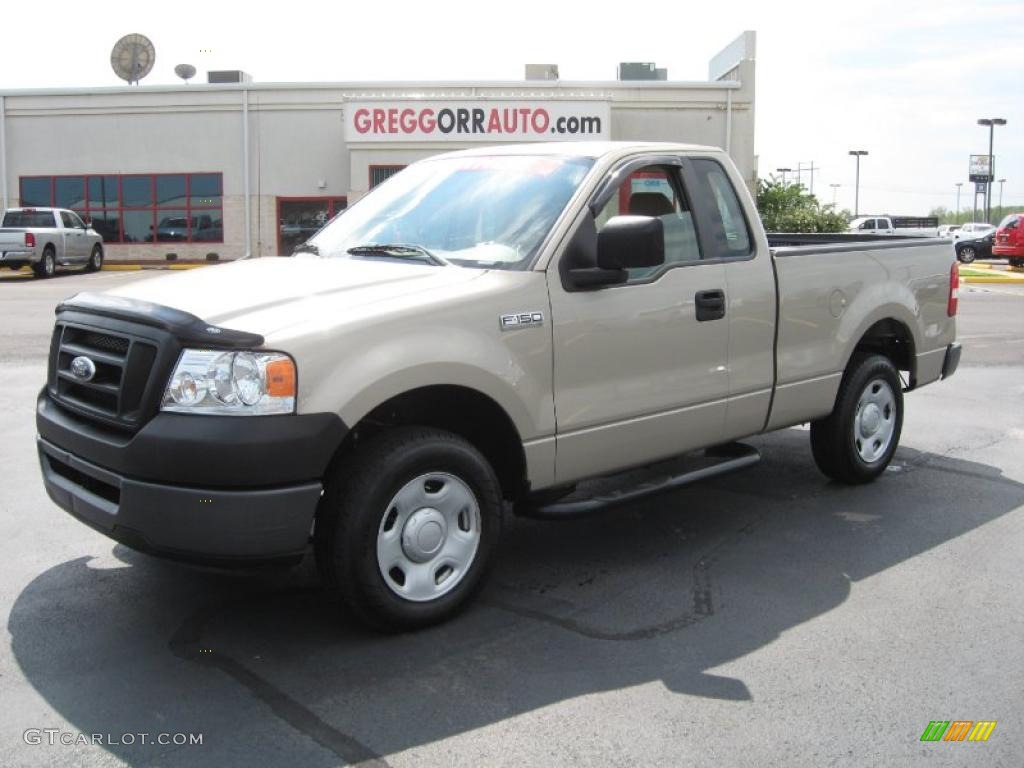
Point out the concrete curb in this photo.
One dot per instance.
(1007, 280)
(137, 267)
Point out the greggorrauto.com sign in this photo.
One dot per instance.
(491, 121)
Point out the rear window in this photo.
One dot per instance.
(28, 219)
(1010, 221)
(729, 234)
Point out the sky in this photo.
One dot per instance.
(905, 80)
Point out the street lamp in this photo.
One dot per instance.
(784, 171)
(991, 122)
(856, 190)
(1001, 182)
(834, 188)
(958, 185)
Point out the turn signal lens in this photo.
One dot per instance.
(281, 378)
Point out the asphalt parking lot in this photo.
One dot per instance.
(763, 618)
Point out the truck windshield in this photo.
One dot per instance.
(483, 211)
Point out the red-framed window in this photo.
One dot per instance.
(381, 173)
(298, 218)
(137, 207)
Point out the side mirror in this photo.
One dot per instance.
(628, 242)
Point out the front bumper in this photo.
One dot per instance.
(216, 490)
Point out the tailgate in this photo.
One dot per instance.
(12, 239)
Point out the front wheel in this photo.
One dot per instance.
(855, 443)
(407, 526)
(1017, 263)
(967, 254)
(95, 260)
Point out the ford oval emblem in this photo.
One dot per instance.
(83, 369)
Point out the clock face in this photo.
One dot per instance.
(133, 57)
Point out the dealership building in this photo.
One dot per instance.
(220, 171)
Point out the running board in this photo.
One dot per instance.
(715, 461)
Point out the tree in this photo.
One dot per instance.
(790, 208)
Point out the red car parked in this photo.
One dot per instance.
(1010, 239)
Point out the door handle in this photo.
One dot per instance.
(710, 305)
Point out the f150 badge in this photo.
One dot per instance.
(521, 320)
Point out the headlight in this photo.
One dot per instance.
(231, 383)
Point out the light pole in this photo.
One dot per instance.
(991, 122)
(856, 190)
(958, 185)
(784, 171)
(834, 188)
(1001, 182)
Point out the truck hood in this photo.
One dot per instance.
(268, 294)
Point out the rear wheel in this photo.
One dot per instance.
(47, 266)
(966, 254)
(95, 260)
(406, 527)
(1017, 262)
(856, 442)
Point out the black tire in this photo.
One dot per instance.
(95, 260)
(1017, 263)
(47, 266)
(966, 254)
(357, 503)
(836, 442)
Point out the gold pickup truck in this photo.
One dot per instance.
(488, 330)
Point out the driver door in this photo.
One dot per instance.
(640, 369)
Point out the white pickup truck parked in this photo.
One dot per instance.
(48, 239)
(488, 329)
(904, 226)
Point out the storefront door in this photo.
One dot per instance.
(298, 219)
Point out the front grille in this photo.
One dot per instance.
(124, 366)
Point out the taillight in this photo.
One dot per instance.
(30, 240)
(954, 289)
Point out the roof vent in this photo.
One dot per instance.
(228, 76)
(541, 71)
(641, 70)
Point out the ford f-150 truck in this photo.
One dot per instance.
(47, 239)
(489, 329)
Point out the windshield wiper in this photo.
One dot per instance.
(398, 251)
(306, 248)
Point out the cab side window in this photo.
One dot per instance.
(656, 191)
(66, 220)
(730, 236)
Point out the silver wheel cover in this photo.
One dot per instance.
(874, 421)
(428, 537)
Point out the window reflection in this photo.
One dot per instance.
(170, 191)
(137, 208)
(172, 226)
(36, 192)
(108, 225)
(102, 192)
(138, 226)
(69, 191)
(137, 190)
(205, 189)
